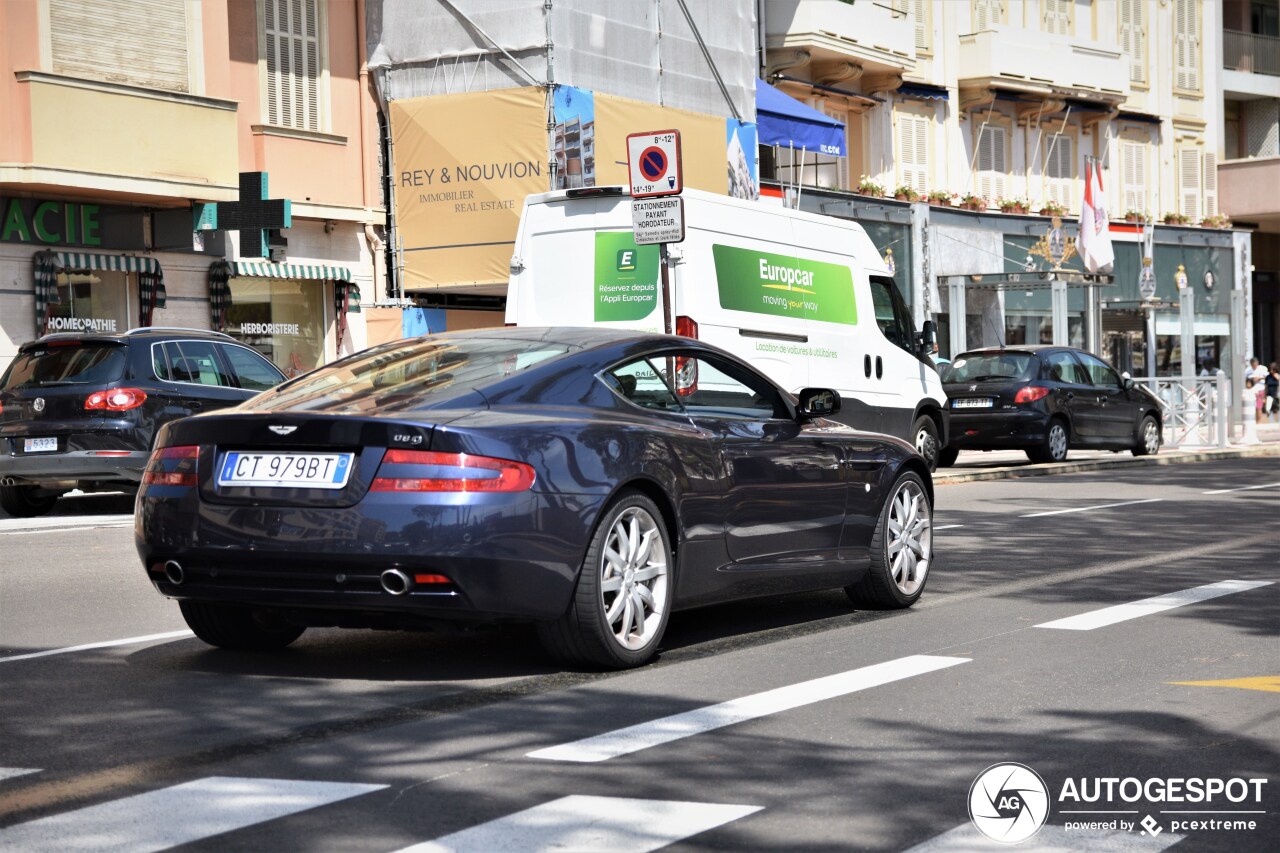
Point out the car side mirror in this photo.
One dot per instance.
(818, 403)
(1126, 380)
(928, 338)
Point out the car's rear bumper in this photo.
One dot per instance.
(991, 430)
(78, 466)
(506, 557)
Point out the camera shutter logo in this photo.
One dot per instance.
(1008, 802)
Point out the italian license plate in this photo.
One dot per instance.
(971, 403)
(39, 445)
(285, 470)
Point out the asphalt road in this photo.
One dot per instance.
(785, 723)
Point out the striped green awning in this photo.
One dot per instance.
(118, 263)
(262, 269)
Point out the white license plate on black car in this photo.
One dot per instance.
(285, 470)
(971, 403)
(39, 445)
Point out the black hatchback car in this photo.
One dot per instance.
(81, 411)
(1045, 400)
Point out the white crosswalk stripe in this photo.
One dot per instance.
(14, 772)
(1124, 612)
(1050, 839)
(176, 815)
(615, 824)
(644, 735)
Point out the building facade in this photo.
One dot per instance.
(127, 122)
(993, 110)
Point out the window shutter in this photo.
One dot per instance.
(991, 163)
(1133, 38)
(986, 14)
(1210, 183)
(292, 52)
(1135, 176)
(1057, 16)
(1186, 37)
(1058, 172)
(140, 42)
(920, 16)
(1189, 178)
(913, 153)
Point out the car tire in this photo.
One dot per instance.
(25, 501)
(925, 438)
(232, 626)
(1148, 443)
(598, 629)
(947, 457)
(900, 562)
(1057, 439)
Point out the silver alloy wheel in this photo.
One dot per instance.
(1057, 442)
(910, 538)
(633, 578)
(1150, 436)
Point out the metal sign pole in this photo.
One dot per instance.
(664, 263)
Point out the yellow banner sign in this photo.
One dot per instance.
(463, 165)
(702, 141)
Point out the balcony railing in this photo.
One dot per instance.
(1250, 52)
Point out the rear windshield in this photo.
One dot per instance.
(408, 375)
(78, 364)
(988, 367)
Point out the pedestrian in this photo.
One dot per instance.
(1271, 404)
(1253, 396)
(1256, 371)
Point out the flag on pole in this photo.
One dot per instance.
(1095, 237)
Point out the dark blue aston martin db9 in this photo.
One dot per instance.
(590, 481)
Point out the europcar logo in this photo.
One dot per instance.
(626, 260)
(1008, 802)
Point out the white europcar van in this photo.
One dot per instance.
(805, 298)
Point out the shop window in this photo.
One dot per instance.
(294, 62)
(95, 301)
(284, 319)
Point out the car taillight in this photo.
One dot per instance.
(1030, 394)
(451, 472)
(116, 399)
(686, 327)
(172, 466)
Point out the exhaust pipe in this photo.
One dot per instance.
(396, 582)
(173, 571)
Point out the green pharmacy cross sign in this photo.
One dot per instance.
(253, 213)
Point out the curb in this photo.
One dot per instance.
(1173, 457)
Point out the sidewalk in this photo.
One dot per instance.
(973, 465)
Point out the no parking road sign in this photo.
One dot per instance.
(653, 161)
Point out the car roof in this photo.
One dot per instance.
(142, 333)
(1026, 349)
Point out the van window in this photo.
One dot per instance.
(892, 314)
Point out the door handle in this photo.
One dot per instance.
(879, 367)
(866, 365)
(1071, 395)
(194, 405)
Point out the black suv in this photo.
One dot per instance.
(80, 410)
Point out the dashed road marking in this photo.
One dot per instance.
(655, 732)
(1241, 489)
(176, 815)
(1124, 612)
(1087, 508)
(590, 823)
(1265, 683)
(171, 635)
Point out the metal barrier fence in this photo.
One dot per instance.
(1196, 410)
